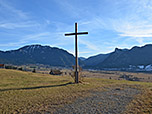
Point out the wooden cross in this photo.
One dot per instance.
(76, 50)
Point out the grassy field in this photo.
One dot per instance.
(22, 92)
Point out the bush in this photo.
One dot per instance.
(10, 67)
(34, 71)
(20, 68)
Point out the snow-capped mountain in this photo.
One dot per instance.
(33, 54)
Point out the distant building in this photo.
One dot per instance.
(2, 66)
(55, 72)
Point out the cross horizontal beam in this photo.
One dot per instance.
(80, 33)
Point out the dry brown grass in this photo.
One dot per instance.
(29, 92)
(142, 104)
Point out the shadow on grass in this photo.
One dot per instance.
(37, 87)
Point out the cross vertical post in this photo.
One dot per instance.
(76, 50)
(76, 56)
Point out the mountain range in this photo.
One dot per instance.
(123, 58)
(38, 54)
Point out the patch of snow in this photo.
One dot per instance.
(148, 68)
(141, 66)
(131, 66)
(33, 47)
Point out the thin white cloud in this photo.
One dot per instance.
(36, 37)
(138, 23)
(69, 8)
(132, 28)
(12, 44)
(84, 52)
(140, 40)
(9, 9)
(89, 45)
(28, 39)
(13, 18)
(93, 24)
(136, 35)
(9, 25)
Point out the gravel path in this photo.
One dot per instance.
(110, 101)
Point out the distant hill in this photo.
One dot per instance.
(82, 58)
(94, 60)
(37, 54)
(124, 58)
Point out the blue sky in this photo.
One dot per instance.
(110, 23)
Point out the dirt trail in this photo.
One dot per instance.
(110, 101)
